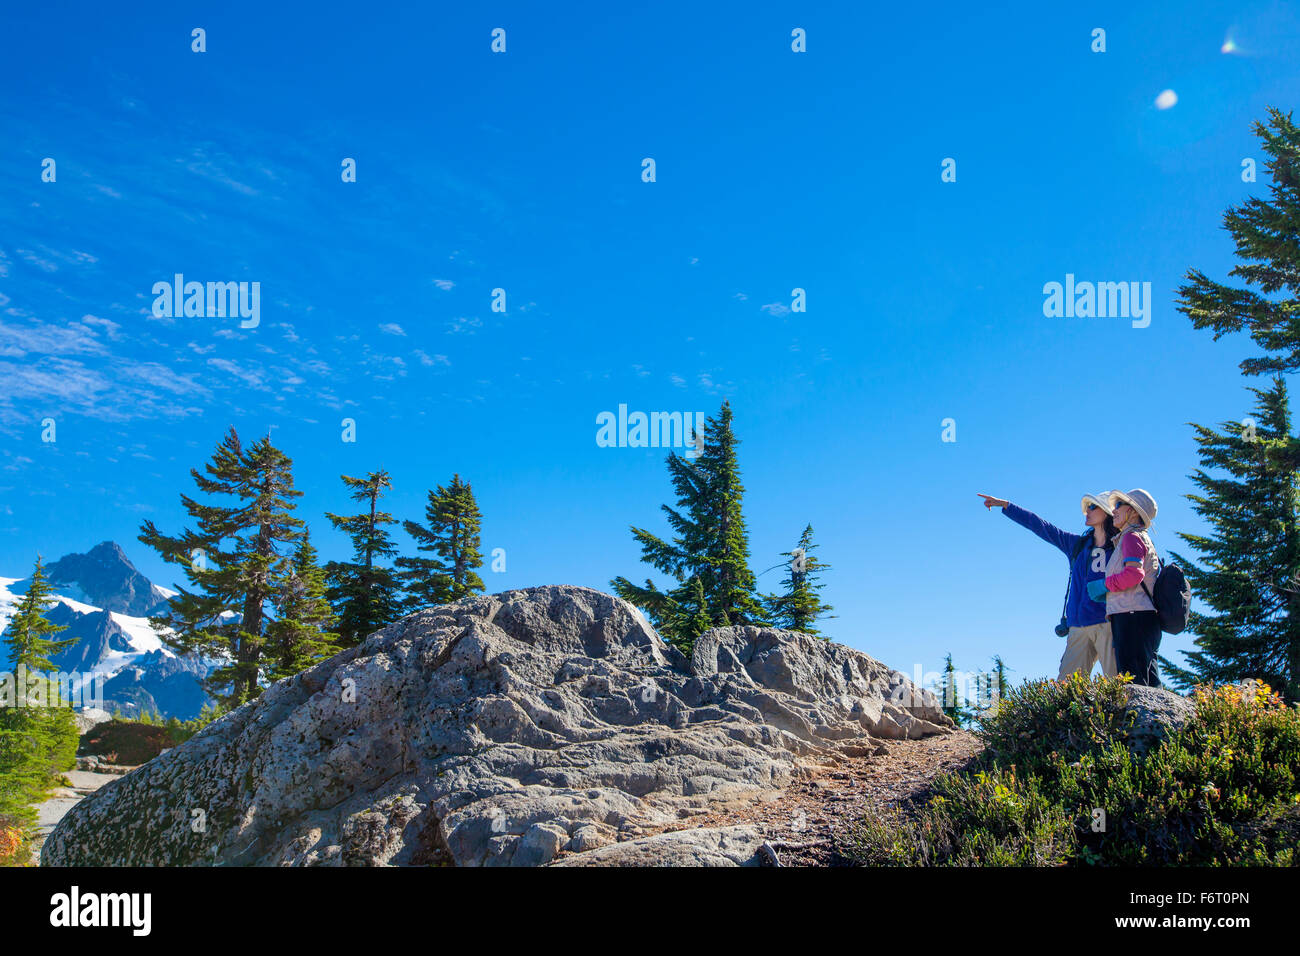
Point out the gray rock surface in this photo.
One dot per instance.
(1156, 714)
(723, 846)
(88, 718)
(500, 730)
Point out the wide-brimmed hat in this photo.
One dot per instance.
(1139, 500)
(1102, 501)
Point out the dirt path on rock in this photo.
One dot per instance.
(804, 820)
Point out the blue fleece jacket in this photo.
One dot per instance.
(1080, 609)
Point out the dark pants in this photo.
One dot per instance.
(1135, 636)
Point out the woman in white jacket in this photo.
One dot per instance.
(1128, 585)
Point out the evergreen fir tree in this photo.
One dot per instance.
(55, 730)
(1249, 573)
(301, 634)
(978, 704)
(950, 700)
(38, 736)
(1268, 243)
(28, 635)
(983, 687)
(690, 614)
(451, 532)
(1001, 687)
(799, 608)
(710, 542)
(233, 561)
(21, 782)
(365, 594)
(37, 745)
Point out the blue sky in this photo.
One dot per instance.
(522, 171)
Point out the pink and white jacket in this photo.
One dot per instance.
(1133, 563)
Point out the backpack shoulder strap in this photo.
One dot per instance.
(1159, 565)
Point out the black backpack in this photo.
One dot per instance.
(1172, 598)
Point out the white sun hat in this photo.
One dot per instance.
(1102, 501)
(1140, 501)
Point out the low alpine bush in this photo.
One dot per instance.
(1057, 784)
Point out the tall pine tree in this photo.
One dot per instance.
(710, 542)
(1267, 236)
(1001, 686)
(28, 636)
(451, 531)
(953, 702)
(38, 736)
(1249, 569)
(366, 595)
(301, 634)
(235, 562)
(800, 606)
(1267, 240)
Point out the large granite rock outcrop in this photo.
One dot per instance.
(502, 729)
(1158, 713)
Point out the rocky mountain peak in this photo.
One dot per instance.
(105, 578)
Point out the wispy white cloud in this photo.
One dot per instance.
(250, 377)
(706, 382)
(57, 386)
(109, 327)
(316, 367)
(160, 376)
(430, 360)
(31, 258)
(216, 169)
(49, 339)
(463, 324)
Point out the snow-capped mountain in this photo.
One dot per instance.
(104, 577)
(104, 603)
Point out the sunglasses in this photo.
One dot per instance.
(1092, 507)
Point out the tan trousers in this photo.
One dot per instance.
(1086, 646)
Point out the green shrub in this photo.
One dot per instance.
(178, 731)
(1046, 718)
(971, 819)
(1057, 784)
(183, 730)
